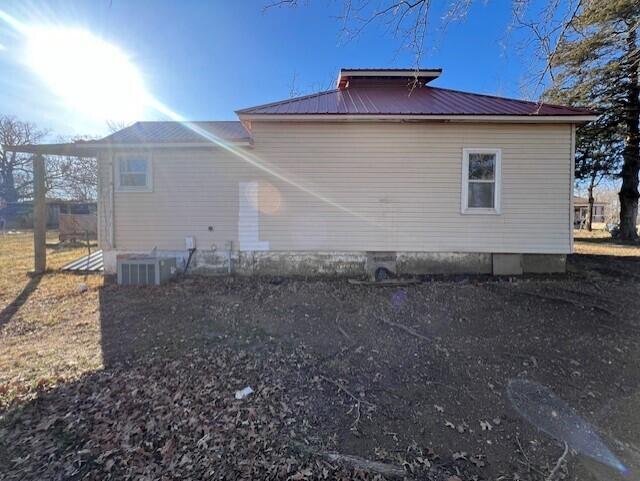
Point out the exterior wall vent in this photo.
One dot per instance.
(381, 265)
(144, 270)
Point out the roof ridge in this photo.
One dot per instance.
(509, 99)
(286, 101)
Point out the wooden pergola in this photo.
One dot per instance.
(75, 149)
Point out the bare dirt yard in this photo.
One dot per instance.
(139, 383)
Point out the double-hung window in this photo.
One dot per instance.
(133, 173)
(481, 181)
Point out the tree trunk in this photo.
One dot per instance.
(590, 217)
(631, 154)
(8, 187)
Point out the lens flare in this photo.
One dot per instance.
(256, 161)
(542, 408)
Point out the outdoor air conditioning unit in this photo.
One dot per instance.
(144, 270)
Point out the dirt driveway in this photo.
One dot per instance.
(412, 376)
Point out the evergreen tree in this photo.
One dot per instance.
(598, 157)
(597, 64)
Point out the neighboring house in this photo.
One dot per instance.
(19, 215)
(379, 170)
(581, 213)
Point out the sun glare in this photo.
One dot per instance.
(88, 74)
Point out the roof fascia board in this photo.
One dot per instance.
(391, 73)
(172, 145)
(90, 150)
(399, 118)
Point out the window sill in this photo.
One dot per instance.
(480, 211)
(134, 190)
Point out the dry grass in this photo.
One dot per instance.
(599, 242)
(49, 331)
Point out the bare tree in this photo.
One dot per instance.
(115, 125)
(16, 168)
(67, 177)
(296, 90)
(408, 21)
(73, 178)
(411, 21)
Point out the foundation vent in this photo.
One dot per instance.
(381, 265)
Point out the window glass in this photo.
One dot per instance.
(481, 195)
(481, 181)
(133, 172)
(133, 180)
(136, 165)
(482, 166)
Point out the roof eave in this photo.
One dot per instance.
(572, 119)
(93, 149)
(174, 145)
(347, 74)
(84, 149)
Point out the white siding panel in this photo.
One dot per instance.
(358, 186)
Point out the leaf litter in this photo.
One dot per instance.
(167, 418)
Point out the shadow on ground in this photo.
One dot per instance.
(10, 310)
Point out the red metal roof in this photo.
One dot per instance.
(177, 132)
(399, 100)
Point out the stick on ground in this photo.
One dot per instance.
(384, 469)
(406, 329)
(561, 459)
(352, 396)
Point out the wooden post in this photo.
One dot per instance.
(39, 215)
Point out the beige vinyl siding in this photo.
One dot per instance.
(359, 186)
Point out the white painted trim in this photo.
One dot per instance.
(111, 207)
(148, 187)
(572, 161)
(509, 119)
(464, 197)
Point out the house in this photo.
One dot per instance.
(581, 213)
(19, 215)
(384, 170)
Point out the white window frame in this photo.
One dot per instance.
(148, 187)
(464, 207)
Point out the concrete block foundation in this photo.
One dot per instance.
(544, 263)
(507, 264)
(443, 263)
(355, 264)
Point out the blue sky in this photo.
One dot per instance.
(205, 59)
